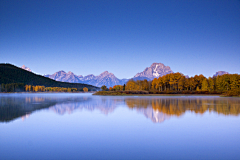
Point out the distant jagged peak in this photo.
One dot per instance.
(59, 73)
(62, 71)
(64, 77)
(88, 77)
(80, 76)
(219, 73)
(159, 65)
(155, 64)
(106, 73)
(70, 72)
(26, 68)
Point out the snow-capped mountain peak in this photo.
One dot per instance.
(154, 71)
(26, 68)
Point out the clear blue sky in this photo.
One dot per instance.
(123, 37)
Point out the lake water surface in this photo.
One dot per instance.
(82, 126)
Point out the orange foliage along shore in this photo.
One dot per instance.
(229, 83)
(30, 88)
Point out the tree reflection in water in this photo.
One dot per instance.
(177, 106)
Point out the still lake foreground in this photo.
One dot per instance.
(82, 126)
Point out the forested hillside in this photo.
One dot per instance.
(12, 74)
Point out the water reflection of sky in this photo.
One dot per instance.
(81, 126)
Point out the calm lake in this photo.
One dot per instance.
(82, 126)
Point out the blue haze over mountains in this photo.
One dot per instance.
(109, 79)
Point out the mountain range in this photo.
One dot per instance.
(104, 78)
(109, 79)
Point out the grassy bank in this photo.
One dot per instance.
(116, 93)
(168, 93)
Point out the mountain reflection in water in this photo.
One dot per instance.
(105, 106)
(157, 109)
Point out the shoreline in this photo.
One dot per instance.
(165, 95)
(43, 92)
(162, 95)
(93, 93)
(144, 93)
(171, 95)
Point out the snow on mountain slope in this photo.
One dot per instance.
(154, 71)
(26, 68)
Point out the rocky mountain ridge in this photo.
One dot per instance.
(105, 78)
(109, 79)
(64, 77)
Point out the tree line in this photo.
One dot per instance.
(12, 87)
(20, 87)
(177, 82)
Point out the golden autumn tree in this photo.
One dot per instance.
(198, 80)
(104, 88)
(177, 77)
(187, 84)
(116, 87)
(26, 88)
(130, 85)
(36, 88)
(172, 80)
(165, 81)
(145, 85)
(205, 85)
(159, 84)
(192, 83)
(211, 84)
(33, 88)
(85, 89)
(181, 83)
(121, 87)
(29, 88)
(154, 83)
